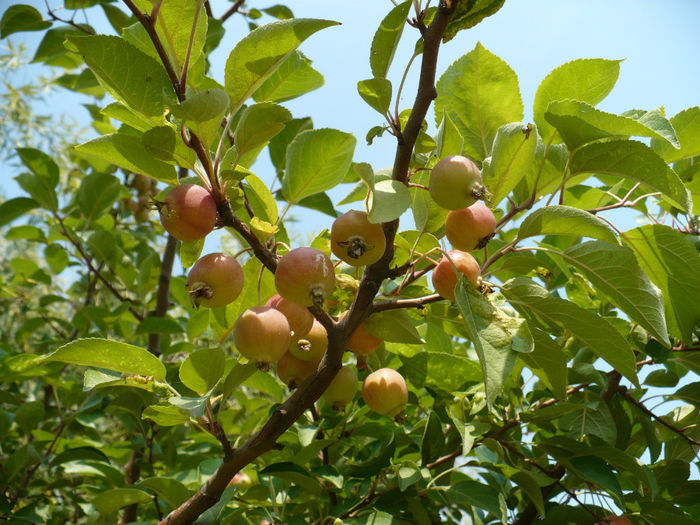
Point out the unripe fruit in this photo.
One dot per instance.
(188, 212)
(470, 228)
(300, 319)
(444, 275)
(305, 276)
(357, 241)
(215, 280)
(385, 392)
(455, 183)
(361, 342)
(313, 345)
(262, 335)
(343, 388)
(293, 372)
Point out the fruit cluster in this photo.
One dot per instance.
(284, 331)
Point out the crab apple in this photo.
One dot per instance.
(357, 241)
(293, 372)
(455, 183)
(305, 276)
(300, 319)
(361, 342)
(343, 388)
(262, 335)
(471, 227)
(617, 520)
(215, 280)
(313, 345)
(444, 275)
(385, 392)
(188, 212)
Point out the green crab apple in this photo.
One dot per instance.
(455, 183)
(357, 241)
(313, 345)
(215, 280)
(385, 392)
(445, 278)
(299, 317)
(343, 388)
(262, 335)
(305, 276)
(188, 212)
(470, 228)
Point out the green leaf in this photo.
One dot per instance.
(163, 143)
(596, 420)
(614, 271)
(159, 325)
(112, 355)
(278, 144)
(21, 17)
(203, 106)
(579, 123)
(686, 124)
(376, 92)
(40, 164)
(530, 487)
(258, 55)
(110, 501)
(190, 252)
(433, 441)
(202, 369)
(393, 326)
(512, 154)
(128, 152)
(56, 257)
(386, 39)
(258, 124)
(11, 209)
(595, 470)
(39, 189)
(441, 370)
(52, 52)
(587, 79)
(166, 415)
(173, 492)
(293, 78)
(476, 494)
(174, 24)
(480, 94)
(317, 160)
(119, 67)
(469, 14)
(294, 473)
(97, 193)
(564, 220)
(238, 374)
(591, 329)
(449, 140)
(671, 261)
(388, 200)
(261, 199)
(548, 362)
(497, 337)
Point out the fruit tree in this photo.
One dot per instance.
(469, 334)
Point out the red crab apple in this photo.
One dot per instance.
(470, 228)
(455, 183)
(215, 280)
(445, 277)
(361, 342)
(617, 520)
(385, 392)
(300, 319)
(188, 212)
(357, 241)
(293, 372)
(305, 276)
(313, 345)
(262, 335)
(343, 388)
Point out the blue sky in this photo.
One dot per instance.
(658, 40)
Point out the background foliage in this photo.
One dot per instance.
(525, 399)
